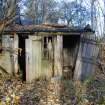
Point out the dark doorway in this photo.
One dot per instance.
(21, 58)
(70, 49)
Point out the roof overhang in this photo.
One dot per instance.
(47, 30)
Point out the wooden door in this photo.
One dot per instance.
(36, 58)
(86, 60)
(33, 58)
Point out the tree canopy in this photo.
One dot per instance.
(71, 13)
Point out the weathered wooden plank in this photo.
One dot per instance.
(84, 49)
(15, 47)
(36, 58)
(58, 53)
(47, 56)
(33, 58)
(28, 43)
(86, 60)
(78, 71)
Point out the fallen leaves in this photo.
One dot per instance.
(55, 92)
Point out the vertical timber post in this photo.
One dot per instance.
(28, 59)
(16, 54)
(58, 46)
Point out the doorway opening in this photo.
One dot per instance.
(22, 57)
(70, 50)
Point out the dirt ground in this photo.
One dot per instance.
(54, 92)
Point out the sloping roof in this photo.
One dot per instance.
(46, 28)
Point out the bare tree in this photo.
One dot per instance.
(8, 13)
(74, 13)
(92, 13)
(104, 18)
(41, 11)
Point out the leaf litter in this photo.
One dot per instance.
(54, 92)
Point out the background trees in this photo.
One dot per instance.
(74, 13)
(7, 12)
(41, 11)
